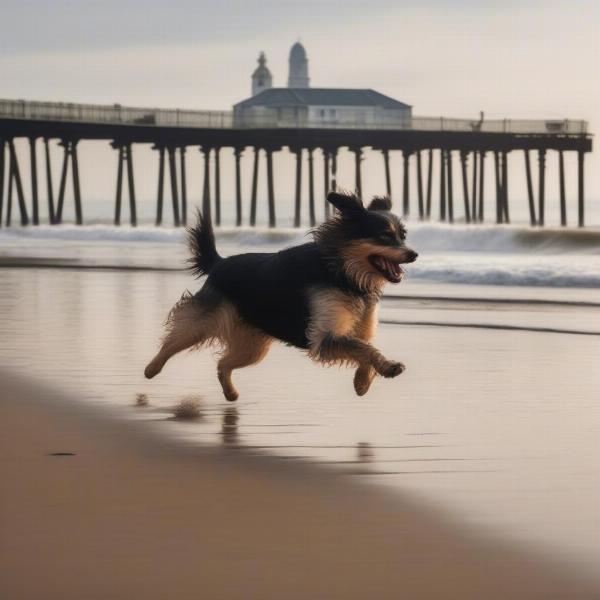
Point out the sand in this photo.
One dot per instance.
(96, 507)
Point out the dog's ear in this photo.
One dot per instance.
(347, 204)
(380, 203)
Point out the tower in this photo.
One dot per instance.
(261, 78)
(298, 77)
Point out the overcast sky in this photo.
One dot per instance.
(520, 59)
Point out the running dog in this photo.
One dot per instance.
(320, 296)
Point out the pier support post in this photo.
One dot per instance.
(481, 184)
(298, 200)
(429, 182)
(580, 189)
(326, 181)
(174, 191)
(35, 215)
(388, 179)
(119, 191)
(254, 187)
(161, 185)
(563, 199)
(450, 188)
(465, 182)
(420, 186)
(206, 203)
(217, 186)
(8, 220)
(63, 181)
(271, 188)
(311, 189)
(357, 161)
(498, 171)
(406, 183)
(183, 185)
(49, 188)
(2, 165)
(442, 184)
(15, 175)
(474, 187)
(530, 196)
(542, 186)
(238, 187)
(131, 186)
(76, 186)
(206, 208)
(505, 213)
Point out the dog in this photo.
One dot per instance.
(321, 296)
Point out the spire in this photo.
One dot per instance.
(298, 77)
(261, 78)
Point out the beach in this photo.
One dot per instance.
(473, 475)
(103, 508)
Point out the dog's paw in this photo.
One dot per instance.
(231, 395)
(362, 381)
(391, 369)
(361, 387)
(151, 371)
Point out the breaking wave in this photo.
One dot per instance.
(508, 255)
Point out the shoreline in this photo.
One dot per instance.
(134, 514)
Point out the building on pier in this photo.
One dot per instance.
(298, 73)
(299, 105)
(321, 107)
(261, 78)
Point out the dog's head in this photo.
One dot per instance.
(367, 243)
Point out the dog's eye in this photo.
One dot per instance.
(388, 236)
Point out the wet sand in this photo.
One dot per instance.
(96, 507)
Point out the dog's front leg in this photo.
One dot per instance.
(341, 348)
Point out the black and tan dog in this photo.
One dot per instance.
(321, 296)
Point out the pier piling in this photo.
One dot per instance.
(542, 187)
(465, 185)
(530, 196)
(561, 185)
(174, 191)
(183, 185)
(450, 188)
(298, 201)
(253, 197)
(161, 185)
(35, 216)
(311, 189)
(238, 187)
(429, 182)
(406, 183)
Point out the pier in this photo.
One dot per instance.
(470, 150)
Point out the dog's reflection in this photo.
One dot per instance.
(229, 426)
(364, 452)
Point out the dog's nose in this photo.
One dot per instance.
(412, 256)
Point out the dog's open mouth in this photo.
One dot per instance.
(391, 270)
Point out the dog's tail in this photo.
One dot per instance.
(201, 242)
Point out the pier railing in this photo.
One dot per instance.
(212, 119)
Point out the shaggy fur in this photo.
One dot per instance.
(321, 296)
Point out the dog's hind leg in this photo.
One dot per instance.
(246, 347)
(189, 324)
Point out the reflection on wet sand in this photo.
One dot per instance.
(364, 452)
(229, 426)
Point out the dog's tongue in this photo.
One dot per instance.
(391, 267)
